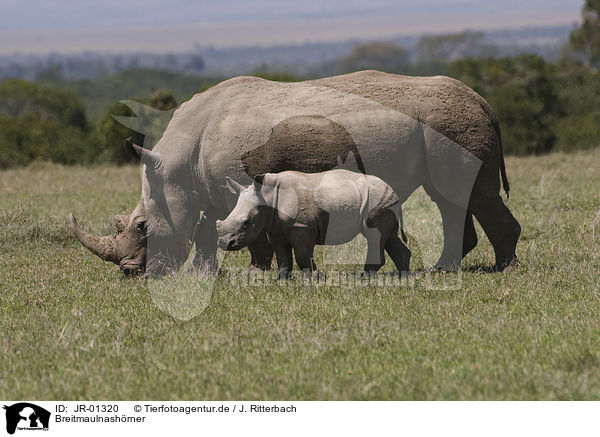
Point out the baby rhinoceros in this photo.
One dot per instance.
(299, 210)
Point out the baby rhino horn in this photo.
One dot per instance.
(233, 186)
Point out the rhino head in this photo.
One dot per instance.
(156, 237)
(247, 220)
(126, 248)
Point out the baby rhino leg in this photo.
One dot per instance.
(398, 251)
(376, 235)
(261, 252)
(283, 254)
(382, 230)
(303, 241)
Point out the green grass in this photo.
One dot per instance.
(74, 328)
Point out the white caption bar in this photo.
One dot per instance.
(298, 418)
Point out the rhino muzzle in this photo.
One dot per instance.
(126, 249)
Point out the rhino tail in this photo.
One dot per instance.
(359, 162)
(505, 184)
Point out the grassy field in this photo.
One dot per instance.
(74, 328)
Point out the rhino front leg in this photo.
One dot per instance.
(303, 241)
(205, 239)
(283, 254)
(261, 252)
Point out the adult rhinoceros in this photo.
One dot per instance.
(433, 132)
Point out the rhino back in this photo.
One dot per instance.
(454, 117)
(306, 143)
(262, 126)
(248, 125)
(446, 105)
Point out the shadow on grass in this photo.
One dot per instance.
(481, 268)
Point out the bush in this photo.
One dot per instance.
(150, 126)
(42, 123)
(281, 76)
(21, 98)
(578, 132)
(523, 94)
(378, 55)
(29, 139)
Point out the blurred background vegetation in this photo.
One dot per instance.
(544, 103)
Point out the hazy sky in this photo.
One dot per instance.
(121, 25)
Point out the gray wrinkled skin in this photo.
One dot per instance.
(300, 210)
(433, 132)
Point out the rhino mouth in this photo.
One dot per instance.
(132, 269)
(228, 243)
(233, 245)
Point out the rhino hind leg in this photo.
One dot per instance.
(501, 228)
(469, 236)
(454, 220)
(384, 236)
(398, 252)
(375, 256)
(379, 227)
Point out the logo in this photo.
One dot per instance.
(26, 416)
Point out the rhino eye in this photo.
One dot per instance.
(141, 225)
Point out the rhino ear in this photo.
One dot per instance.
(121, 222)
(148, 157)
(259, 179)
(259, 182)
(141, 225)
(131, 147)
(233, 186)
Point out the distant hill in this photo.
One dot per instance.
(310, 59)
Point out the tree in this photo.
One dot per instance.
(452, 46)
(195, 63)
(384, 56)
(586, 38)
(523, 94)
(42, 123)
(579, 92)
(21, 98)
(144, 126)
(162, 100)
(277, 76)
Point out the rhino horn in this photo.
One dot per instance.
(233, 186)
(148, 157)
(104, 247)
